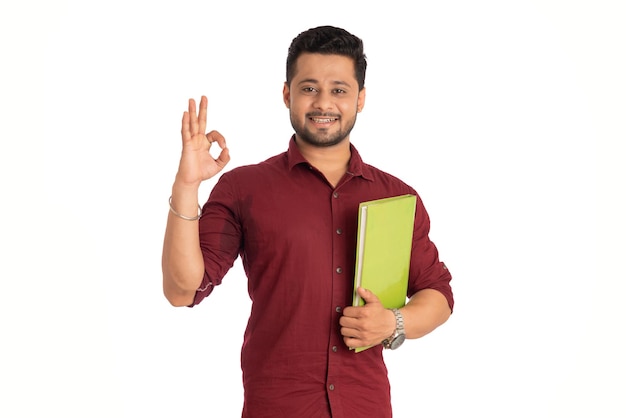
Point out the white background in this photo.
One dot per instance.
(506, 116)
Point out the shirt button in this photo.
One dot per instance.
(339, 270)
(338, 309)
(334, 348)
(331, 387)
(339, 231)
(335, 195)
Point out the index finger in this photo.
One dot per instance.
(351, 311)
(215, 136)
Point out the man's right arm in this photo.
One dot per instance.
(182, 261)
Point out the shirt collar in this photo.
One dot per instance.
(356, 166)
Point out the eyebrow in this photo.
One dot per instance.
(314, 81)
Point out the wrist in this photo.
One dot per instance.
(184, 202)
(185, 186)
(185, 192)
(391, 323)
(398, 336)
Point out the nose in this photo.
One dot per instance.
(323, 101)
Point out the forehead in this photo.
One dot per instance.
(325, 67)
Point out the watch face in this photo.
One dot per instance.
(397, 342)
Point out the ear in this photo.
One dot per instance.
(286, 95)
(360, 100)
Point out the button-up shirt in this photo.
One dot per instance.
(296, 236)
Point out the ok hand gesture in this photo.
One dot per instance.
(196, 163)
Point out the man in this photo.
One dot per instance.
(292, 219)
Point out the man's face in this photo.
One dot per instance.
(323, 99)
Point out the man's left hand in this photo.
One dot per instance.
(366, 325)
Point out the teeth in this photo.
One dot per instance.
(322, 120)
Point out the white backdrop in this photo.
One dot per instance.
(506, 116)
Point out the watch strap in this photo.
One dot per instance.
(399, 331)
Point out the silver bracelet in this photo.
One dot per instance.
(187, 218)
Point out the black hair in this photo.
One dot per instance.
(328, 40)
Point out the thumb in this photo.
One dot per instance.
(367, 296)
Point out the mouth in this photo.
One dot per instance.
(323, 120)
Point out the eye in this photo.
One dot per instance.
(339, 91)
(309, 89)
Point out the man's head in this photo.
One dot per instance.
(325, 89)
(328, 40)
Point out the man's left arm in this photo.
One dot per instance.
(424, 312)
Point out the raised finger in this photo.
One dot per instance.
(202, 115)
(193, 117)
(185, 133)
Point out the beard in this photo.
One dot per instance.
(322, 137)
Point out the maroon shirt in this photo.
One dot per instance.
(296, 236)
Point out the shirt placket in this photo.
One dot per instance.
(340, 285)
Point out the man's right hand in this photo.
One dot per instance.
(182, 263)
(196, 163)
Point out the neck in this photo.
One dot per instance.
(331, 161)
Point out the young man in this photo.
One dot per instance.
(292, 219)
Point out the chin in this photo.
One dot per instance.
(322, 142)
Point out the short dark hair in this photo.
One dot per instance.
(328, 40)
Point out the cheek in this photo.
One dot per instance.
(348, 108)
(297, 107)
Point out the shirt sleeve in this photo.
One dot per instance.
(427, 271)
(220, 235)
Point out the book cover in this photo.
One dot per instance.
(383, 254)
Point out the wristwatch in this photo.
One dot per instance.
(398, 336)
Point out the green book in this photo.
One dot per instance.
(383, 254)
